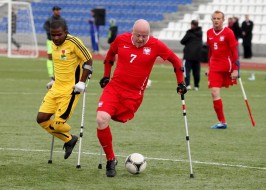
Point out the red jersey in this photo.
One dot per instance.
(222, 46)
(134, 64)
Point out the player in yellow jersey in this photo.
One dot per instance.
(72, 67)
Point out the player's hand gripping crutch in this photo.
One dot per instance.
(245, 96)
(82, 123)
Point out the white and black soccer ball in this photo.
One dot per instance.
(135, 163)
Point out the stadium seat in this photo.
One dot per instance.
(263, 28)
(259, 9)
(127, 11)
(244, 9)
(263, 38)
(259, 2)
(256, 38)
(257, 19)
(257, 28)
(121, 10)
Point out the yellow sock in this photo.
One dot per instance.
(57, 129)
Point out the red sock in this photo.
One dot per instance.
(218, 107)
(105, 138)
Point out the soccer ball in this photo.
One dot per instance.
(135, 163)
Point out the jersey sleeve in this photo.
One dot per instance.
(163, 51)
(167, 54)
(81, 51)
(178, 69)
(110, 58)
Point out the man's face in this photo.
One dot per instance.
(58, 36)
(57, 12)
(139, 38)
(217, 21)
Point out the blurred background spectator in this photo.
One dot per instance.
(192, 53)
(112, 32)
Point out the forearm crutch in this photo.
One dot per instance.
(246, 100)
(245, 96)
(100, 158)
(187, 136)
(82, 123)
(50, 161)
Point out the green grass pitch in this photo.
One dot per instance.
(229, 159)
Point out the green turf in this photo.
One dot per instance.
(222, 159)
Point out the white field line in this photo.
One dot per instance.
(148, 158)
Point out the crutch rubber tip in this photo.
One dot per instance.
(78, 166)
(50, 161)
(100, 166)
(191, 176)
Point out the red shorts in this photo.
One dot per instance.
(119, 103)
(220, 79)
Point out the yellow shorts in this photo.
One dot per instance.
(49, 46)
(62, 106)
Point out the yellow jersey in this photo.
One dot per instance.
(68, 59)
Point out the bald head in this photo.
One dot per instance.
(140, 32)
(141, 26)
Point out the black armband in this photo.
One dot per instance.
(89, 67)
(181, 69)
(110, 61)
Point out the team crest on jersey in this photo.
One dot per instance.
(221, 38)
(63, 54)
(146, 51)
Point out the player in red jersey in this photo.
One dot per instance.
(123, 94)
(223, 63)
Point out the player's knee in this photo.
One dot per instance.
(39, 120)
(42, 117)
(61, 126)
(215, 93)
(102, 119)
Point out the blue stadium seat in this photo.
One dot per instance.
(124, 11)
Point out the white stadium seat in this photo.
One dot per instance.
(239, 8)
(256, 38)
(263, 38)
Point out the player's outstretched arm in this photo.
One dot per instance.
(179, 70)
